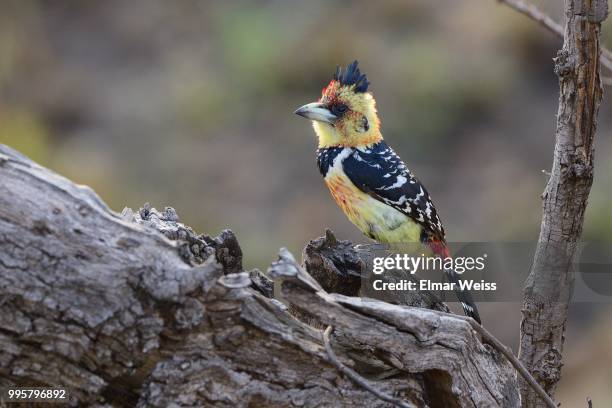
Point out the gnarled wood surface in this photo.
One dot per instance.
(137, 310)
(548, 289)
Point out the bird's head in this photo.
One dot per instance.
(345, 115)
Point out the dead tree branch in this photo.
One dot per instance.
(548, 288)
(138, 310)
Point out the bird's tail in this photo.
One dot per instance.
(440, 248)
(469, 307)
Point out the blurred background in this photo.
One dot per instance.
(189, 104)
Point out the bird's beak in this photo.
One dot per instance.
(316, 111)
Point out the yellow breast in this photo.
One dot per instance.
(374, 218)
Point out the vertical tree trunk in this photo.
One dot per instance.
(548, 289)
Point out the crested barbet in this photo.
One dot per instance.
(367, 179)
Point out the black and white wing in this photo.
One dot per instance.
(379, 172)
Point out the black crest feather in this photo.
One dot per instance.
(352, 76)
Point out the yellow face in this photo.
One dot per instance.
(343, 117)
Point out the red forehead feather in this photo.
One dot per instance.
(330, 90)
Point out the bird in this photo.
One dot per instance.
(367, 179)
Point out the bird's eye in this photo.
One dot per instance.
(366, 125)
(339, 109)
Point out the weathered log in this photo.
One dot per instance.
(138, 310)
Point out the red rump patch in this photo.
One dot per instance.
(439, 248)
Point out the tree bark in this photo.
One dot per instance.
(548, 289)
(138, 310)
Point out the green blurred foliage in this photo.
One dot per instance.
(23, 131)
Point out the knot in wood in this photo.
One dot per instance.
(548, 369)
(564, 64)
(580, 168)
